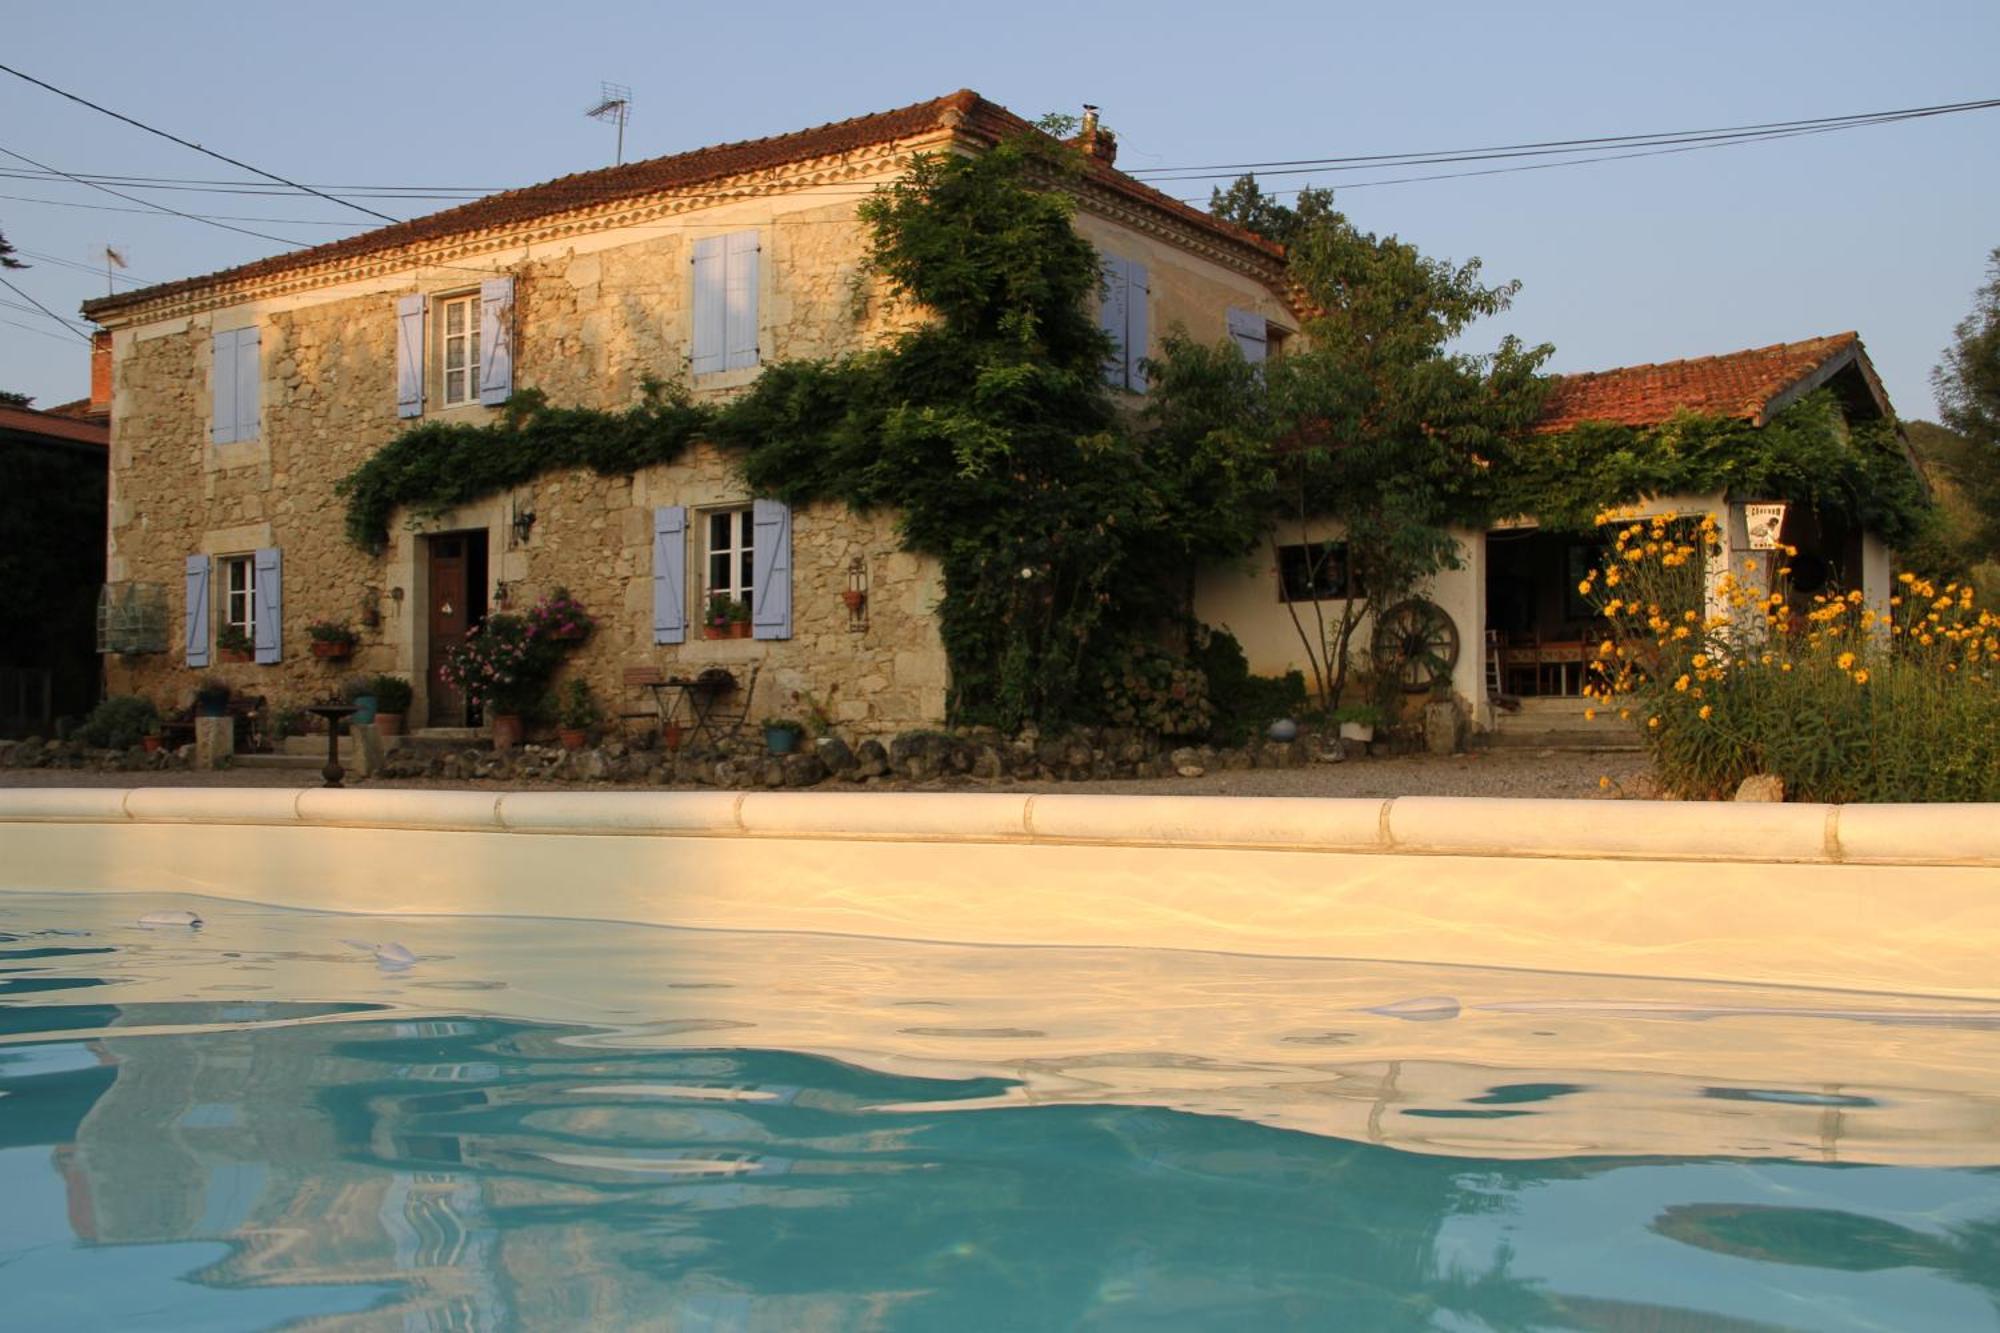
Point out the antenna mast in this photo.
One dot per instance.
(614, 105)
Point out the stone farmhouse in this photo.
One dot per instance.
(242, 397)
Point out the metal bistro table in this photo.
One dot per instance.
(703, 695)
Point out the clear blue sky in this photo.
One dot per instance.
(1882, 229)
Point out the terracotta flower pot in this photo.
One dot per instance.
(332, 649)
(235, 655)
(715, 631)
(571, 738)
(389, 724)
(854, 597)
(506, 730)
(152, 744)
(739, 629)
(673, 735)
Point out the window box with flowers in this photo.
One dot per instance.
(333, 640)
(727, 618)
(233, 642)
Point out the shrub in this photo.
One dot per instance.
(1842, 704)
(576, 707)
(1147, 686)
(393, 694)
(119, 722)
(1240, 702)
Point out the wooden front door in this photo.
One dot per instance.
(457, 603)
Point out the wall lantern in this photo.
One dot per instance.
(524, 523)
(856, 595)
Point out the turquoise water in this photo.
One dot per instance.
(288, 1119)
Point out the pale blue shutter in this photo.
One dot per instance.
(1247, 331)
(771, 570)
(1136, 344)
(409, 356)
(222, 382)
(740, 296)
(670, 574)
(196, 638)
(496, 340)
(1111, 318)
(270, 623)
(710, 312)
(249, 382)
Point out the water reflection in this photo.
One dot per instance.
(1045, 1153)
(473, 1173)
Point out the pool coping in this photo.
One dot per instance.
(1908, 834)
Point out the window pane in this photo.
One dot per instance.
(745, 572)
(718, 532)
(472, 348)
(454, 317)
(718, 572)
(454, 385)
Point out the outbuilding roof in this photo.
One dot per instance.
(1750, 385)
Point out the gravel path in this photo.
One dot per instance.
(1486, 773)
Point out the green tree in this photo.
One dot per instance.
(1378, 428)
(7, 259)
(1968, 392)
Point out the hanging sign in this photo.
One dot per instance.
(1765, 522)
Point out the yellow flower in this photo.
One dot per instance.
(1653, 723)
(1700, 659)
(1844, 661)
(1584, 587)
(1603, 783)
(1706, 711)
(1680, 686)
(1861, 676)
(1590, 715)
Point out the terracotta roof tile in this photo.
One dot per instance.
(1741, 385)
(29, 421)
(964, 109)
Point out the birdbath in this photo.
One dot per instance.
(335, 715)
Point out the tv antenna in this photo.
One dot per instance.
(615, 106)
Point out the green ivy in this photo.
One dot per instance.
(437, 465)
(1807, 454)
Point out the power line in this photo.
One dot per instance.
(30, 328)
(29, 310)
(44, 309)
(147, 203)
(1775, 129)
(185, 143)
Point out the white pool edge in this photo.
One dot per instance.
(1886, 897)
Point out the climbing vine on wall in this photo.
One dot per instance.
(1807, 454)
(437, 465)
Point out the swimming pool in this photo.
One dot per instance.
(346, 1121)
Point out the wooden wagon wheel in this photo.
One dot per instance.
(1416, 643)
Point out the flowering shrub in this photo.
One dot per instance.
(332, 631)
(1840, 702)
(502, 665)
(560, 616)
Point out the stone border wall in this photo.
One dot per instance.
(1901, 898)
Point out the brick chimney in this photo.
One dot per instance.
(1096, 141)
(100, 373)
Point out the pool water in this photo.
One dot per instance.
(287, 1119)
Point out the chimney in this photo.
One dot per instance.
(1096, 141)
(100, 373)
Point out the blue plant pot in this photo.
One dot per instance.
(780, 740)
(364, 709)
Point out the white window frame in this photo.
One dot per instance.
(466, 340)
(238, 605)
(738, 550)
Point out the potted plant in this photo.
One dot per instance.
(715, 621)
(392, 703)
(781, 735)
(1358, 721)
(332, 639)
(560, 618)
(233, 642)
(739, 619)
(360, 691)
(153, 739)
(576, 713)
(673, 735)
(211, 697)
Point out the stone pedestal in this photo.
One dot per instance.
(1444, 727)
(214, 741)
(367, 752)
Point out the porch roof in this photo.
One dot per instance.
(1750, 385)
